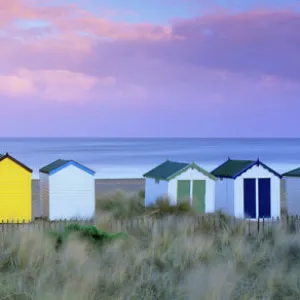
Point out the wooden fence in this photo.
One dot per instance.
(208, 224)
(41, 225)
(148, 225)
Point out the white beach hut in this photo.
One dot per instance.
(292, 191)
(247, 189)
(67, 190)
(181, 182)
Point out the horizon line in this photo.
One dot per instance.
(151, 137)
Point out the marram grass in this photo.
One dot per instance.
(166, 262)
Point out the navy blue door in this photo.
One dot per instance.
(250, 198)
(264, 197)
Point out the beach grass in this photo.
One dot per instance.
(166, 262)
(121, 205)
(169, 264)
(129, 205)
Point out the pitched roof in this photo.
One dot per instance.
(170, 169)
(48, 169)
(54, 165)
(233, 168)
(292, 173)
(6, 155)
(165, 170)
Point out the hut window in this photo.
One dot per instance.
(156, 181)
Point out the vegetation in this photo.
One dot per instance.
(90, 233)
(122, 206)
(175, 262)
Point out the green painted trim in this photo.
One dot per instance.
(183, 191)
(199, 195)
(193, 166)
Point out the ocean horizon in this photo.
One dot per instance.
(132, 157)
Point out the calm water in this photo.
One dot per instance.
(112, 158)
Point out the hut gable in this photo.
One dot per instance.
(61, 164)
(8, 156)
(171, 169)
(234, 168)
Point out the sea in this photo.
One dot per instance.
(132, 157)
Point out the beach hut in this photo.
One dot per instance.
(15, 190)
(247, 189)
(181, 182)
(67, 190)
(292, 191)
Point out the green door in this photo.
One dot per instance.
(183, 190)
(199, 196)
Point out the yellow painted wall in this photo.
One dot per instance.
(15, 192)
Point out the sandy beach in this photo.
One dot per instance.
(102, 186)
(105, 186)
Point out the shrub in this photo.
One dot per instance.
(162, 206)
(91, 233)
(141, 194)
(121, 205)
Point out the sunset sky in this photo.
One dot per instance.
(159, 68)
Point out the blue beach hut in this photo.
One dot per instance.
(247, 189)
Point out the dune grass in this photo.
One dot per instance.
(126, 206)
(172, 263)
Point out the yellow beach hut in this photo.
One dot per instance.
(15, 190)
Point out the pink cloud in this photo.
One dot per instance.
(213, 60)
(55, 85)
(71, 18)
(13, 85)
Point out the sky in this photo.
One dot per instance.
(160, 68)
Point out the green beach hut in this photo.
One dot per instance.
(180, 182)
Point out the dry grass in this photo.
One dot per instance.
(173, 262)
(126, 206)
(169, 264)
(121, 205)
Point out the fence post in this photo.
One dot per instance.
(258, 224)
(214, 224)
(235, 223)
(263, 225)
(292, 226)
(220, 225)
(249, 227)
